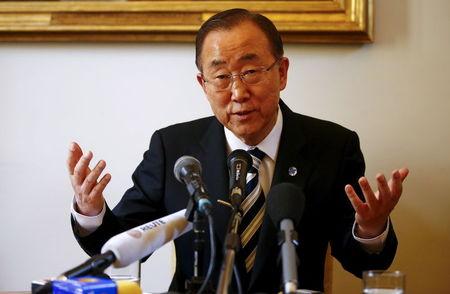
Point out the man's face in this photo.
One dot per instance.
(249, 111)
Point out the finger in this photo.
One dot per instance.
(82, 168)
(371, 200)
(404, 172)
(98, 189)
(384, 192)
(91, 179)
(73, 157)
(353, 197)
(395, 184)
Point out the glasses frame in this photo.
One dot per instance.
(241, 76)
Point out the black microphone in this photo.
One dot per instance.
(188, 170)
(285, 205)
(239, 162)
(93, 266)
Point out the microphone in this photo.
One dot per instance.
(128, 247)
(143, 240)
(285, 205)
(239, 161)
(94, 265)
(188, 170)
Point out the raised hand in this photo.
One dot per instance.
(372, 215)
(85, 182)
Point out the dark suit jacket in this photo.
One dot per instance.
(327, 157)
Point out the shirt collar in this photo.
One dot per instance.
(269, 144)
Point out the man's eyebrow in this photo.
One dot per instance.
(249, 56)
(217, 62)
(246, 57)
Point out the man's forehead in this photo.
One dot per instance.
(242, 43)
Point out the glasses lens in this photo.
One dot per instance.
(252, 77)
(221, 83)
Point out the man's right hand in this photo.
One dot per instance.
(88, 189)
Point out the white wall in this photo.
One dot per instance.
(111, 97)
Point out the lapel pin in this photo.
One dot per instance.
(292, 171)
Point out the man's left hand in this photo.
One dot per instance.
(371, 216)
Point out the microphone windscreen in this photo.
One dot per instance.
(184, 164)
(138, 242)
(240, 155)
(285, 201)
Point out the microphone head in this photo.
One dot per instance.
(239, 155)
(285, 201)
(239, 162)
(186, 165)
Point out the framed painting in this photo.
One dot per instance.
(315, 21)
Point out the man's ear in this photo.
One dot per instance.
(283, 72)
(201, 81)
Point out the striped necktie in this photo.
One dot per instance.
(253, 207)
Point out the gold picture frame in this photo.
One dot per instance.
(315, 21)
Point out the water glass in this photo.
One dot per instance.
(129, 273)
(383, 282)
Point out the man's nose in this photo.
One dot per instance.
(239, 90)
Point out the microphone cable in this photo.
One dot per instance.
(238, 279)
(212, 254)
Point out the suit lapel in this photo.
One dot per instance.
(213, 157)
(293, 165)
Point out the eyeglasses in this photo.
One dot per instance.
(249, 77)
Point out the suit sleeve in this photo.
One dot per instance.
(141, 203)
(345, 248)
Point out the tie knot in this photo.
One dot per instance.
(257, 153)
(257, 156)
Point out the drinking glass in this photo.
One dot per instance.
(129, 273)
(383, 282)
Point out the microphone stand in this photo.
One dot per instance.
(199, 227)
(288, 240)
(232, 245)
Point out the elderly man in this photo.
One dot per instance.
(242, 72)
